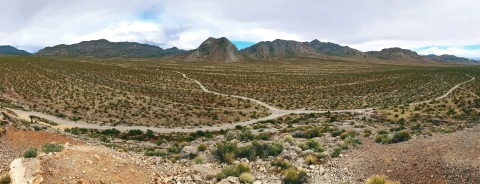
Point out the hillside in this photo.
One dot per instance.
(399, 54)
(215, 50)
(9, 50)
(104, 48)
(279, 48)
(395, 54)
(452, 59)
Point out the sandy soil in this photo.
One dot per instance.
(442, 158)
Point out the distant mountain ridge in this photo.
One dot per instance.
(9, 50)
(279, 48)
(222, 50)
(105, 48)
(399, 54)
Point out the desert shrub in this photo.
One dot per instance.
(36, 128)
(234, 170)
(202, 147)
(379, 138)
(416, 127)
(336, 133)
(30, 152)
(156, 153)
(51, 147)
(401, 136)
(314, 132)
(288, 138)
(230, 136)
(314, 145)
(198, 161)
(299, 134)
(225, 151)
(380, 179)
(5, 179)
(352, 141)
(246, 135)
(311, 160)
(104, 139)
(396, 129)
(336, 152)
(111, 131)
(302, 146)
(293, 176)
(382, 132)
(263, 136)
(135, 132)
(386, 140)
(347, 134)
(267, 149)
(246, 178)
(247, 152)
(280, 163)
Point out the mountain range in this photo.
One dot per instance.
(104, 48)
(222, 50)
(9, 50)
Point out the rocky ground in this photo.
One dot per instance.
(440, 158)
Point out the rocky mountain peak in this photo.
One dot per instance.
(216, 50)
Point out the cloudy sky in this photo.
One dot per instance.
(426, 26)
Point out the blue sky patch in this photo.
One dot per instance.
(242, 44)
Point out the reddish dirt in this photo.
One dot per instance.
(442, 158)
(14, 142)
(92, 164)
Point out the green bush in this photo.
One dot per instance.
(111, 131)
(246, 178)
(202, 147)
(51, 147)
(379, 138)
(288, 138)
(155, 153)
(280, 163)
(336, 152)
(246, 135)
(382, 132)
(198, 161)
(234, 170)
(386, 140)
(263, 136)
(293, 176)
(224, 150)
(401, 136)
(5, 179)
(352, 141)
(30, 152)
(267, 149)
(314, 145)
(247, 152)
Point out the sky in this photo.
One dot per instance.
(425, 26)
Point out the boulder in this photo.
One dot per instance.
(188, 152)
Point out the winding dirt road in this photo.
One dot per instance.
(275, 114)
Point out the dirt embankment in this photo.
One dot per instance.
(442, 158)
(14, 142)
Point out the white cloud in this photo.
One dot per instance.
(370, 25)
